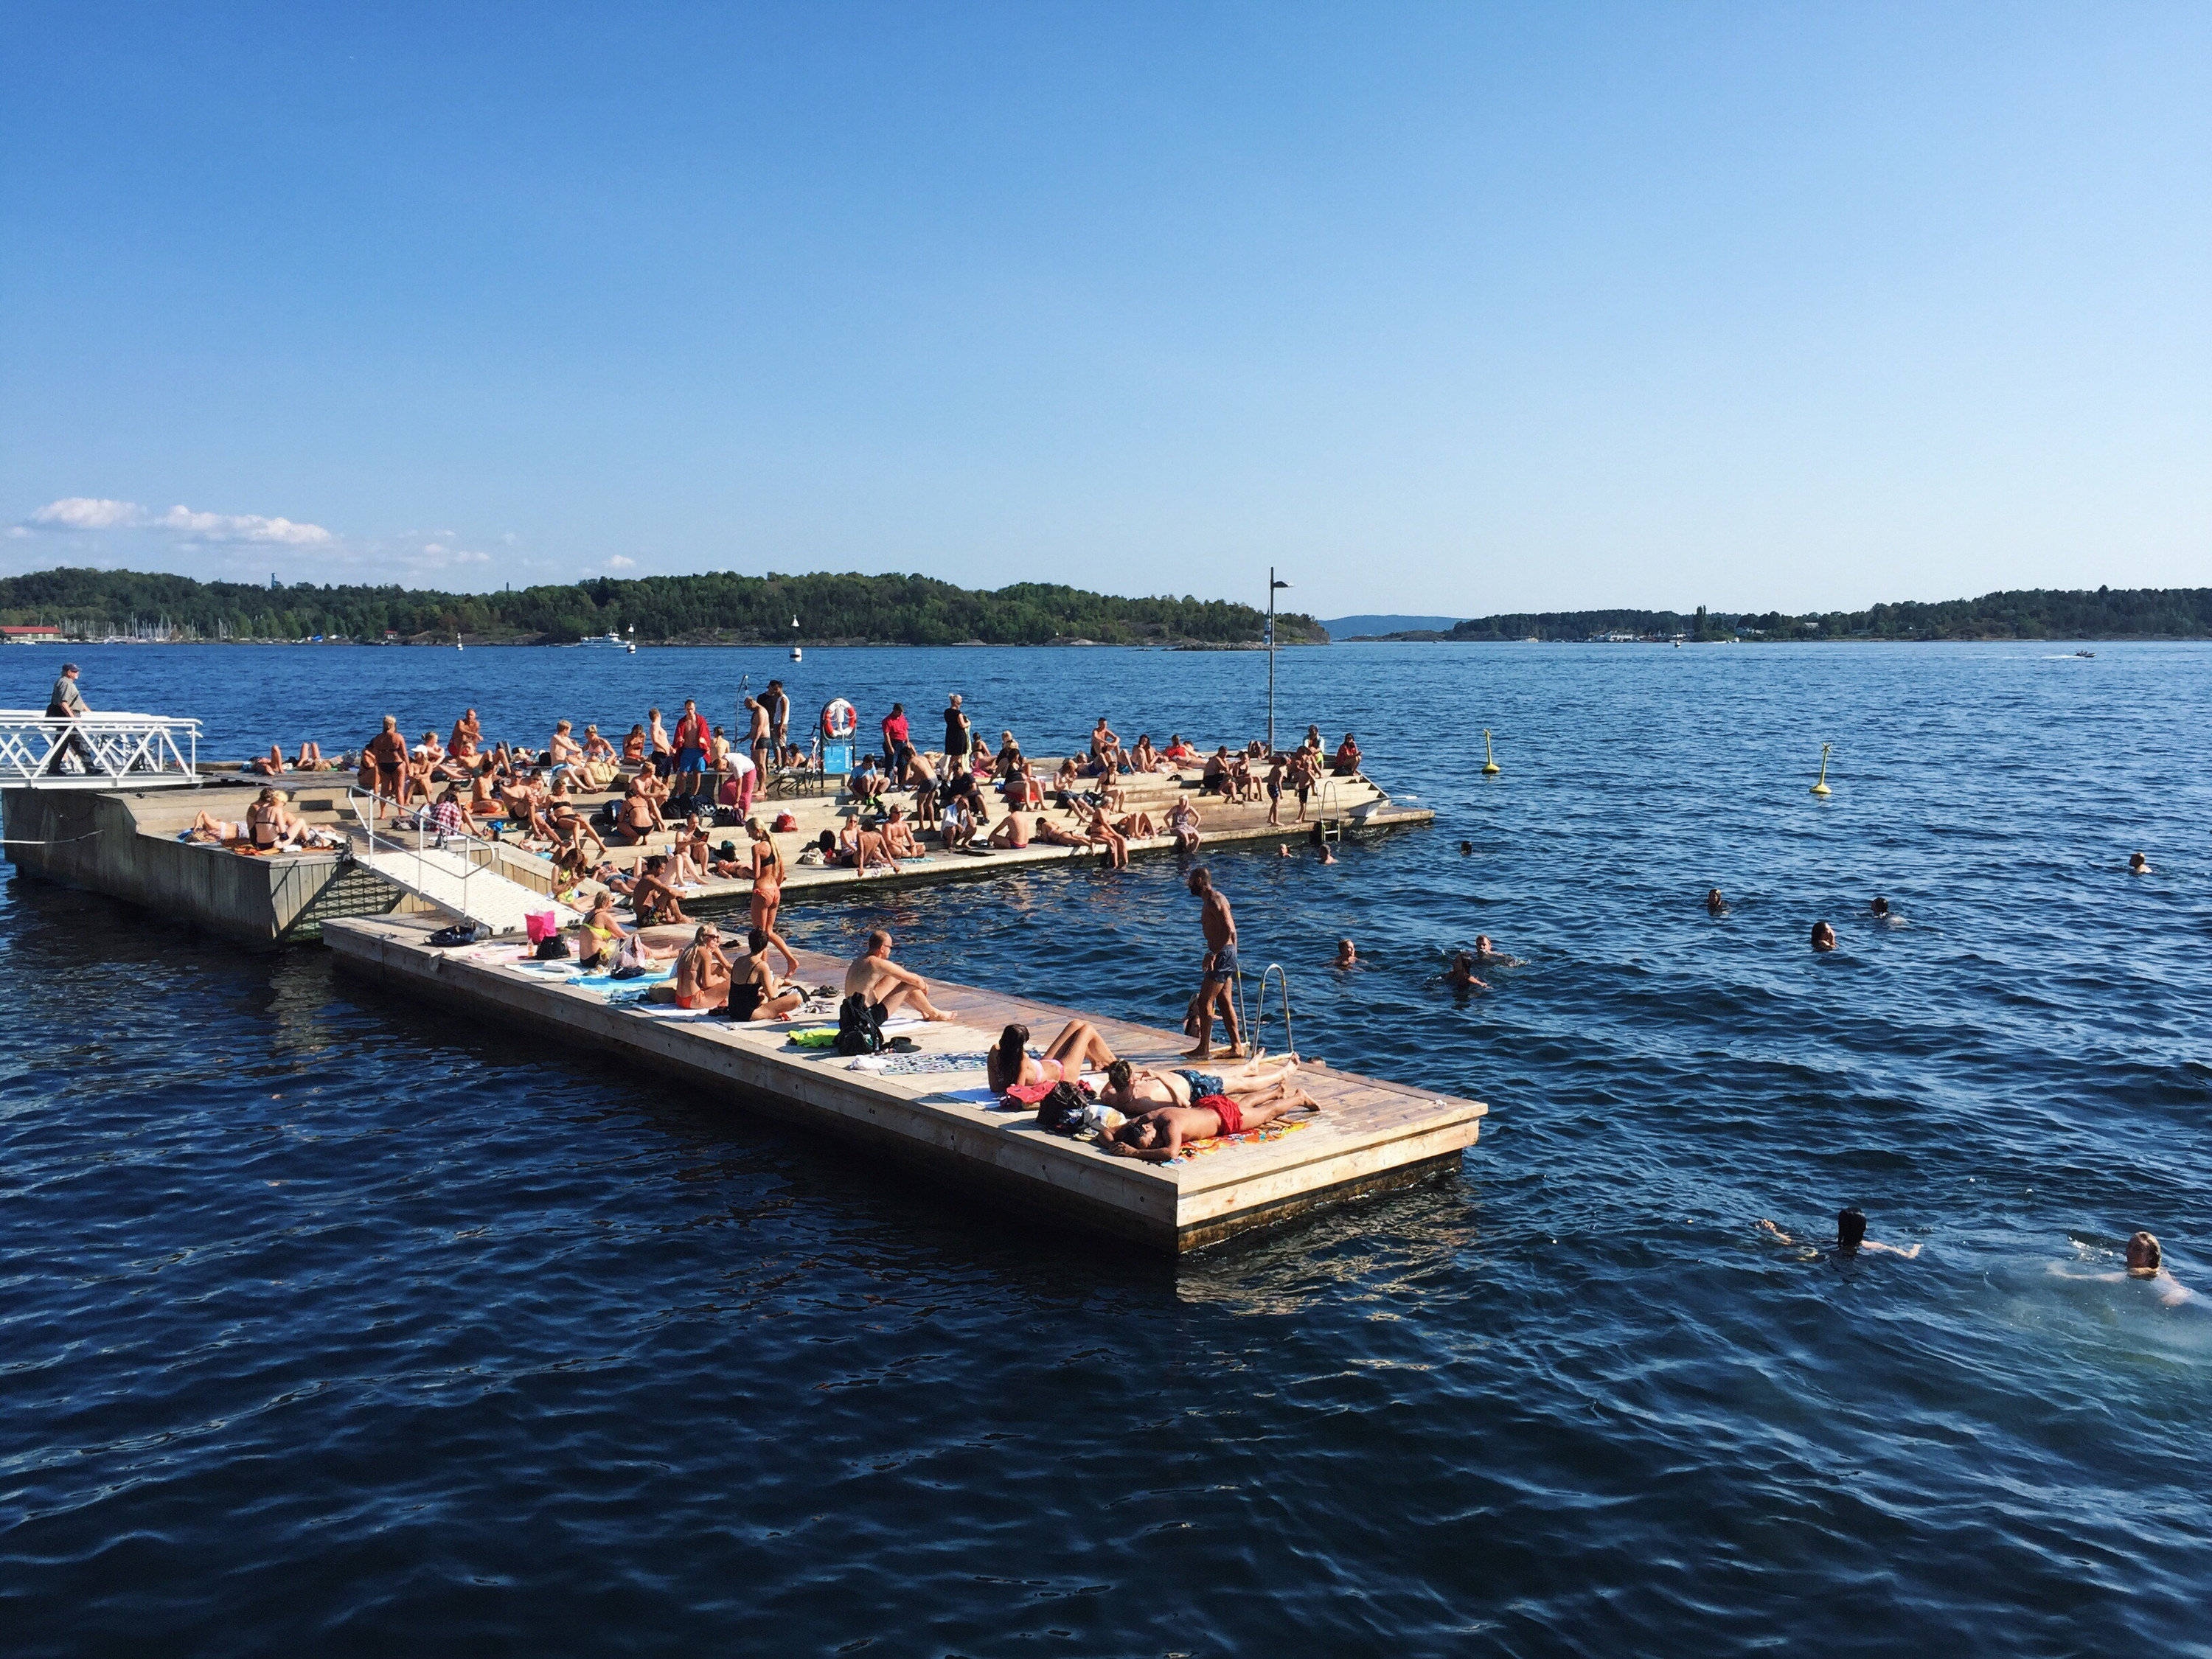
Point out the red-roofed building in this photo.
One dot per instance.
(28, 633)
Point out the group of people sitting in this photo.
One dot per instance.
(269, 825)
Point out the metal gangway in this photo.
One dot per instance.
(97, 752)
(453, 871)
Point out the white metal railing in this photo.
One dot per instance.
(99, 748)
(426, 839)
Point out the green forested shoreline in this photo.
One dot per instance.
(726, 608)
(2142, 613)
(711, 609)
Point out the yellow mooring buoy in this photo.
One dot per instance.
(1489, 760)
(1822, 788)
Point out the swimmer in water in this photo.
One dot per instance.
(1487, 955)
(1283, 850)
(1466, 849)
(1824, 937)
(1326, 857)
(1714, 904)
(2138, 864)
(2145, 1261)
(1346, 956)
(1460, 974)
(1880, 906)
(1850, 1236)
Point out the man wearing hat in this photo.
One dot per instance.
(67, 703)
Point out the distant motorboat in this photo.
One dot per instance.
(610, 638)
(795, 655)
(2085, 654)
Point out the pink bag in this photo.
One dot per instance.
(540, 925)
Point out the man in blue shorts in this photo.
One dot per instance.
(1216, 988)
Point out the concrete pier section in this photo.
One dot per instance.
(929, 1112)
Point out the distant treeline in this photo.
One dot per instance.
(715, 608)
(2142, 613)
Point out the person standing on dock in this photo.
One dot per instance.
(778, 703)
(66, 703)
(956, 735)
(1215, 986)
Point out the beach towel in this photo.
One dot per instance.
(915, 1065)
(1274, 1131)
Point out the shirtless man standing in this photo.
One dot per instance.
(1220, 973)
(886, 984)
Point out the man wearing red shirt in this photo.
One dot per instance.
(899, 746)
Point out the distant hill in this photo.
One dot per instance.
(2142, 613)
(1345, 628)
(717, 608)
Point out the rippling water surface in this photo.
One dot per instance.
(332, 1322)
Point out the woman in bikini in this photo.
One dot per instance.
(267, 823)
(1079, 1048)
(639, 815)
(387, 753)
(768, 877)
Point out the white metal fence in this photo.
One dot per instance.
(134, 750)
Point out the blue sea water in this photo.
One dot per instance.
(334, 1322)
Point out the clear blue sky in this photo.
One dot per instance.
(1448, 309)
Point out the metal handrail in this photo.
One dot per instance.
(33, 746)
(1259, 1008)
(468, 843)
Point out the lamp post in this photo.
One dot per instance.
(1274, 582)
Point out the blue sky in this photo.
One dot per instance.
(1448, 309)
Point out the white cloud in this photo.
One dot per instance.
(85, 513)
(618, 562)
(79, 513)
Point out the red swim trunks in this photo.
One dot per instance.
(1230, 1114)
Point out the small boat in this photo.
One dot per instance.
(794, 644)
(2085, 654)
(610, 638)
(795, 655)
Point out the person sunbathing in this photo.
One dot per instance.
(633, 748)
(1010, 756)
(1137, 826)
(1157, 1135)
(268, 825)
(214, 831)
(756, 993)
(1182, 824)
(888, 987)
(1178, 749)
(1066, 783)
(1135, 1088)
(602, 934)
(269, 765)
(467, 738)
(639, 815)
(871, 852)
(1053, 835)
(898, 836)
(1013, 833)
(702, 973)
(653, 898)
(1079, 1048)
(1098, 831)
(957, 824)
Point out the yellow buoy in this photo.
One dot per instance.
(1822, 788)
(1489, 760)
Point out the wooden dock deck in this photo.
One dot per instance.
(1369, 1136)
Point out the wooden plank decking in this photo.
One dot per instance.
(1370, 1135)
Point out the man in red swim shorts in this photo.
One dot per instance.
(1156, 1136)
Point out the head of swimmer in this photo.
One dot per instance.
(1850, 1228)
(1824, 937)
(2144, 1256)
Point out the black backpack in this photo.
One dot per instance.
(859, 1027)
(1062, 1111)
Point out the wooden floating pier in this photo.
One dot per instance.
(1369, 1136)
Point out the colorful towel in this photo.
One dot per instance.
(1273, 1131)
